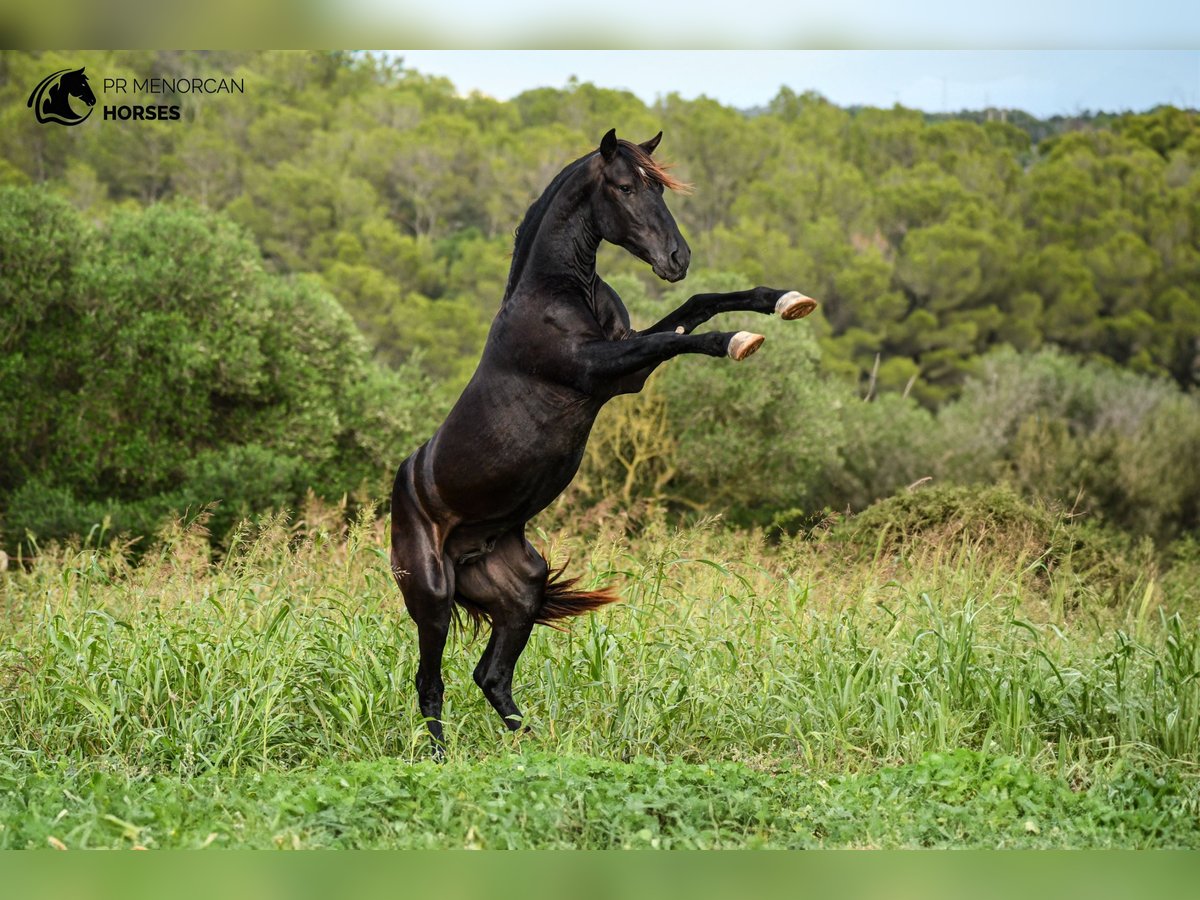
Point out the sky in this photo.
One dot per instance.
(1041, 82)
(801, 24)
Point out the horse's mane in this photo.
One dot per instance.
(652, 173)
(523, 237)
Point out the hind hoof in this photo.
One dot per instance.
(794, 305)
(743, 344)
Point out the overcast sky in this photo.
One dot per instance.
(1042, 82)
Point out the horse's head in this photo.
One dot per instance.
(630, 209)
(75, 84)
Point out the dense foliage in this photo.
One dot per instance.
(152, 365)
(929, 239)
(1016, 299)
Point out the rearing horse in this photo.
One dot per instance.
(559, 348)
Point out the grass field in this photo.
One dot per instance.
(954, 687)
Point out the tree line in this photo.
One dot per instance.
(929, 239)
(284, 288)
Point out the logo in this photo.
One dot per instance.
(51, 99)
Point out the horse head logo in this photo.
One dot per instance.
(51, 99)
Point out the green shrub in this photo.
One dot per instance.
(889, 442)
(993, 516)
(772, 434)
(1080, 557)
(1112, 443)
(757, 436)
(152, 365)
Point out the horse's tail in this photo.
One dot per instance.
(561, 601)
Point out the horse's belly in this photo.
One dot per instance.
(521, 485)
(514, 468)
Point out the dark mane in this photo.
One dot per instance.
(651, 171)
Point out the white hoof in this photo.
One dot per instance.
(743, 344)
(794, 305)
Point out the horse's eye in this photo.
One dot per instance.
(624, 189)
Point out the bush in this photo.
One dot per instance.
(890, 442)
(756, 436)
(1083, 556)
(1112, 443)
(752, 439)
(152, 365)
(996, 517)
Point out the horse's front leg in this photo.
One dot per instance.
(699, 308)
(605, 366)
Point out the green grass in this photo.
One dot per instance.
(962, 799)
(950, 693)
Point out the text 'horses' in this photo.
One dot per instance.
(560, 347)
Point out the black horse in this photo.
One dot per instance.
(560, 348)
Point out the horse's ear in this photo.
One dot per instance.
(608, 145)
(651, 145)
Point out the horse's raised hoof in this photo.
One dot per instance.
(743, 344)
(794, 305)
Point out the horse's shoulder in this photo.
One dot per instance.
(570, 316)
(610, 311)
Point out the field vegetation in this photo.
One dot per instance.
(950, 668)
(923, 572)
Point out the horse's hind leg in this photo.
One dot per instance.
(509, 583)
(428, 588)
(433, 626)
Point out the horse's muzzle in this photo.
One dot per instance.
(675, 267)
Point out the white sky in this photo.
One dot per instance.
(1042, 82)
(779, 24)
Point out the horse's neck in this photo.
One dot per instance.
(564, 248)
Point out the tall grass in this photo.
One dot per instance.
(294, 649)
